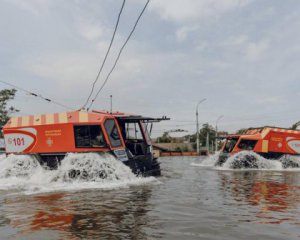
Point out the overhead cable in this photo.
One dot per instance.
(119, 55)
(106, 55)
(37, 95)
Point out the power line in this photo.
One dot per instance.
(176, 125)
(106, 55)
(37, 95)
(183, 121)
(119, 54)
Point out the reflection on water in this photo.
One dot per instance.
(191, 202)
(268, 192)
(109, 214)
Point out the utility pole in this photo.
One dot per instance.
(197, 126)
(197, 133)
(216, 140)
(207, 142)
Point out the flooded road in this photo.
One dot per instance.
(189, 201)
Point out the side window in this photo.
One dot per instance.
(133, 131)
(112, 132)
(89, 136)
(247, 144)
(82, 136)
(230, 144)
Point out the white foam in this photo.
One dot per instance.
(208, 161)
(263, 164)
(21, 172)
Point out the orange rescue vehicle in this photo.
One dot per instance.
(269, 142)
(50, 137)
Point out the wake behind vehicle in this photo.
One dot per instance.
(268, 142)
(50, 137)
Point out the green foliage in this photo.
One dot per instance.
(207, 129)
(185, 148)
(241, 131)
(192, 137)
(295, 125)
(165, 138)
(194, 146)
(5, 96)
(178, 149)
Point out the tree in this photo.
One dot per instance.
(241, 131)
(207, 129)
(295, 125)
(5, 96)
(165, 138)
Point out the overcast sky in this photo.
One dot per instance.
(242, 55)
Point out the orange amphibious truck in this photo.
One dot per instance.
(269, 142)
(50, 137)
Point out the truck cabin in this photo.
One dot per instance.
(239, 143)
(135, 134)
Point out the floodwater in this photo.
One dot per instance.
(192, 200)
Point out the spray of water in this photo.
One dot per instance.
(246, 160)
(93, 167)
(250, 160)
(209, 161)
(77, 171)
(18, 166)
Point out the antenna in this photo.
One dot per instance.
(111, 103)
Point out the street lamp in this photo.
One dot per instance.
(197, 126)
(216, 140)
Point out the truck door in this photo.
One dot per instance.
(135, 136)
(115, 139)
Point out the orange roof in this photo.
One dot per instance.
(263, 132)
(55, 118)
(266, 130)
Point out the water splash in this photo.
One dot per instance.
(91, 167)
(18, 166)
(246, 160)
(90, 170)
(250, 160)
(209, 161)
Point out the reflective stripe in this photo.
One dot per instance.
(25, 121)
(265, 146)
(14, 122)
(49, 118)
(62, 118)
(83, 117)
(265, 132)
(37, 120)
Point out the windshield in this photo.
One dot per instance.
(133, 131)
(229, 145)
(113, 133)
